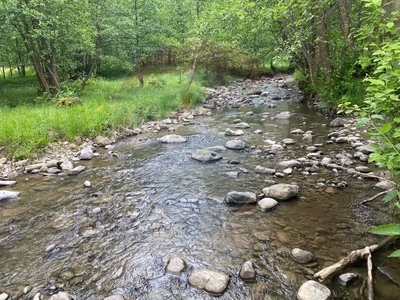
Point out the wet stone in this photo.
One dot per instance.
(235, 144)
(61, 296)
(172, 139)
(301, 256)
(312, 290)
(213, 282)
(283, 115)
(385, 185)
(205, 155)
(234, 197)
(338, 122)
(230, 132)
(176, 266)
(281, 192)
(3, 296)
(242, 125)
(115, 297)
(347, 278)
(265, 171)
(8, 195)
(247, 272)
(76, 170)
(362, 169)
(267, 204)
(86, 153)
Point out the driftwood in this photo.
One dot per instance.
(370, 279)
(356, 173)
(352, 258)
(376, 196)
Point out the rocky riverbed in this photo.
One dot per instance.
(246, 196)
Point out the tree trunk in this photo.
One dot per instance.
(344, 14)
(11, 69)
(3, 71)
(192, 73)
(51, 67)
(140, 75)
(322, 49)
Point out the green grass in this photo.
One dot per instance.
(28, 123)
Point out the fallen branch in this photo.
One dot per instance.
(376, 196)
(370, 279)
(352, 258)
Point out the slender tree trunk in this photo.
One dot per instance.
(3, 71)
(140, 75)
(322, 49)
(192, 72)
(344, 14)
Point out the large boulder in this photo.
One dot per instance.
(239, 198)
(312, 290)
(281, 191)
(205, 155)
(213, 282)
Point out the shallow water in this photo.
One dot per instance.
(157, 202)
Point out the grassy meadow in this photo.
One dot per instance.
(29, 122)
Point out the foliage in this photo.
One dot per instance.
(382, 103)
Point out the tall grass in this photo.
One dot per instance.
(27, 125)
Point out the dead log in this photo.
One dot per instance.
(370, 279)
(352, 258)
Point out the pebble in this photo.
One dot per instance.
(267, 204)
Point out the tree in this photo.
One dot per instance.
(51, 31)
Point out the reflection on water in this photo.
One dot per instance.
(156, 202)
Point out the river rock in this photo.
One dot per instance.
(213, 282)
(297, 131)
(172, 139)
(3, 296)
(115, 297)
(30, 168)
(275, 148)
(281, 191)
(176, 266)
(235, 145)
(338, 122)
(247, 272)
(367, 149)
(61, 296)
(230, 132)
(67, 166)
(237, 198)
(283, 115)
(346, 278)
(87, 183)
(8, 195)
(267, 204)
(76, 170)
(288, 141)
(7, 182)
(217, 149)
(86, 153)
(385, 185)
(265, 171)
(301, 256)
(312, 290)
(290, 163)
(102, 141)
(205, 155)
(242, 125)
(363, 169)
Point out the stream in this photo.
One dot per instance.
(154, 202)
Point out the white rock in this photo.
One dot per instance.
(312, 290)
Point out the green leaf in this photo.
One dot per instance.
(390, 196)
(385, 128)
(395, 254)
(362, 122)
(377, 117)
(390, 25)
(387, 229)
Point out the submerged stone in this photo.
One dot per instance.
(213, 282)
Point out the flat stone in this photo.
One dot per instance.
(115, 297)
(205, 155)
(102, 141)
(262, 236)
(213, 282)
(385, 185)
(363, 169)
(176, 266)
(86, 153)
(30, 168)
(7, 182)
(288, 141)
(235, 198)
(267, 204)
(297, 131)
(61, 296)
(67, 166)
(265, 171)
(230, 132)
(8, 195)
(247, 272)
(290, 163)
(283, 115)
(3, 296)
(242, 125)
(235, 145)
(76, 170)
(312, 290)
(172, 139)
